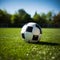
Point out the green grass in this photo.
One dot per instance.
(13, 47)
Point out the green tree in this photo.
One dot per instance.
(49, 16)
(4, 18)
(49, 19)
(21, 17)
(38, 19)
(44, 16)
(26, 18)
(56, 20)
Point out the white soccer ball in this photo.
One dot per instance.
(31, 32)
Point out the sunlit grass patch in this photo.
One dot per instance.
(13, 47)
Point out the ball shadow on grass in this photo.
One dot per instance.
(45, 43)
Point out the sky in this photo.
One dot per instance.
(30, 6)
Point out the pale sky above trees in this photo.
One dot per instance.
(31, 6)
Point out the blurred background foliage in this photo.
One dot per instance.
(21, 17)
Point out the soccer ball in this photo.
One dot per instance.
(31, 32)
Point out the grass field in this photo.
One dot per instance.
(13, 47)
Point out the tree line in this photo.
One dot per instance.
(21, 17)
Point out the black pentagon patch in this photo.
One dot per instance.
(23, 35)
(29, 29)
(35, 37)
(39, 28)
